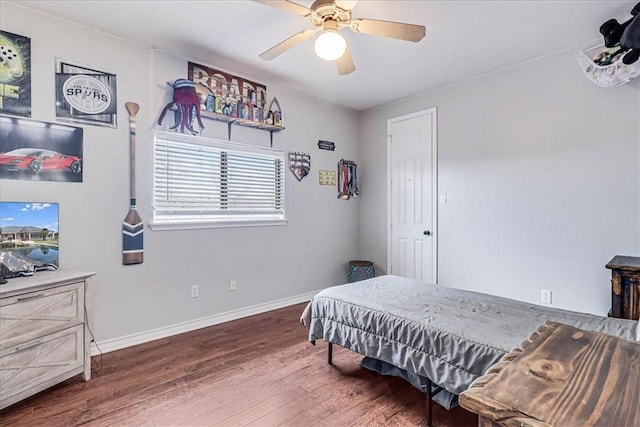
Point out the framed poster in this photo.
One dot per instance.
(40, 151)
(15, 74)
(85, 95)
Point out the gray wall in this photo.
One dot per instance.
(269, 263)
(541, 169)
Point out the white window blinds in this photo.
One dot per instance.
(203, 182)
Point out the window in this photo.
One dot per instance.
(201, 183)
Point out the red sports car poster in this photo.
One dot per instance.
(15, 74)
(40, 151)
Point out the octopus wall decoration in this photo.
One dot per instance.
(187, 106)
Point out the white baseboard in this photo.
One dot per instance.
(191, 325)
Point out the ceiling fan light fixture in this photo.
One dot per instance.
(330, 45)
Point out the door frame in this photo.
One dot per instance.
(433, 113)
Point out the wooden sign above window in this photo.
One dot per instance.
(244, 98)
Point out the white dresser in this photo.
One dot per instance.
(44, 336)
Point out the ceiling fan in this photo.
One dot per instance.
(330, 16)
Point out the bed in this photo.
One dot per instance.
(439, 339)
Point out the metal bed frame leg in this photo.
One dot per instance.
(330, 354)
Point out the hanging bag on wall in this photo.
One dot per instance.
(347, 179)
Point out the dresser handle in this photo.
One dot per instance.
(26, 347)
(31, 297)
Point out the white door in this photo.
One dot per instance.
(412, 187)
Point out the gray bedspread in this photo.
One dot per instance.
(448, 335)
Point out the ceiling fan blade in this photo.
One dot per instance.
(289, 6)
(287, 44)
(396, 30)
(345, 63)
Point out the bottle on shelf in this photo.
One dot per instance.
(218, 104)
(234, 107)
(245, 110)
(210, 102)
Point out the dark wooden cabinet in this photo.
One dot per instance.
(625, 287)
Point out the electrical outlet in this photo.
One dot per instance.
(232, 285)
(194, 291)
(545, 296)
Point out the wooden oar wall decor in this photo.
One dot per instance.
(132, 226)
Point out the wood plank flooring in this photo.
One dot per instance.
(257, 371)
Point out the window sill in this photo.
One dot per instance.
(191, 225)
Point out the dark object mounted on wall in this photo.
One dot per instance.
(347, 180)
(631, 38)
(299, 164)
(624, 35)
(326, 145)
(186, 102)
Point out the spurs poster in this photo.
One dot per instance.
(15, 74)
(85, 95)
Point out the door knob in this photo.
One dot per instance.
(426, 233)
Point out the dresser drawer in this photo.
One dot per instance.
(38, 364)
(31, 315)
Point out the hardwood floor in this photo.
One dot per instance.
(257, 371)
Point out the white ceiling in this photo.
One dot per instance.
(464, 39)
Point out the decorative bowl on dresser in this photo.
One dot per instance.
(44, 336)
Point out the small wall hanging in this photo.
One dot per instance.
(327, 177)
(347, 179)
(326, 145)
(299, 164)
(187, 106)
(274, 116)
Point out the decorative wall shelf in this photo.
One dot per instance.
(234, 100)
(230, 120)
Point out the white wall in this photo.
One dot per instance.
(269, 263)
(541, 169)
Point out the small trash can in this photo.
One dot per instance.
(356, 266)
